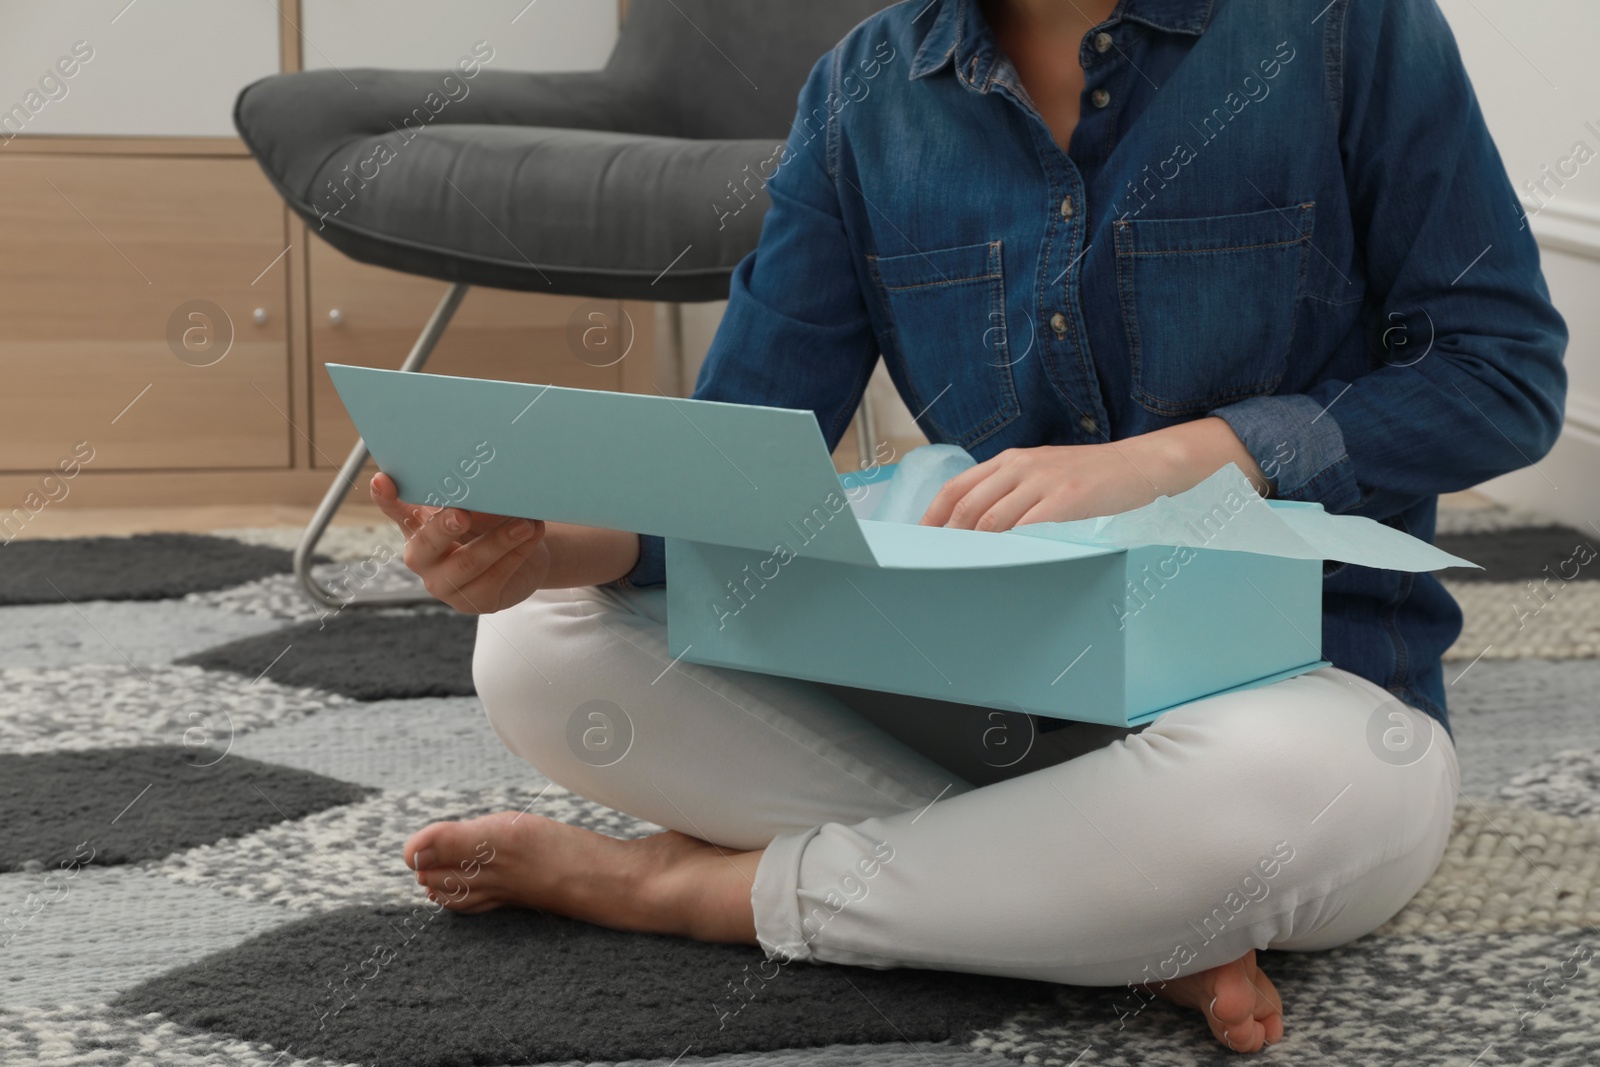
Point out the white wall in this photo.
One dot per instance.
(1534, 66)
(173, 67)
(159, 67)
(421, 34)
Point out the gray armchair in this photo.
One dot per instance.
(601, 184)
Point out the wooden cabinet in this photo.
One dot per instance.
(141, 241)
(101, 253)
(369, 316)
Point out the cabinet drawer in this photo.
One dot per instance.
(370, 317)
(105, 257)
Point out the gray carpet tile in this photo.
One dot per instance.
(417, 988)
(1505, 620)
(85, 936)
(345, 543)
(1568, 784)
(141, 567)
(1510, 716)
(97, 631)
(397, 745)
(282, 597)
(78, 1037)
(1479, 520)
(1413, 1000)
(49, 709)
(351, 854)
(904, 1054)
(1525, 553)
(123, 805)
(362, 656)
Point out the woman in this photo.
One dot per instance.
(1108, 248)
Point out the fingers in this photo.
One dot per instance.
(485, 594)
(975, 503)
(442, 531)
(464, 558)
(386, 495)
(487, 561)
(1008, 510)
(939, 512)
(1042, 511)
(412, 518)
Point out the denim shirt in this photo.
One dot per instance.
(1285, 213)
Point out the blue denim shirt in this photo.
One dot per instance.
(1286, 213)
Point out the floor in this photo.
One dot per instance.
(246, 767)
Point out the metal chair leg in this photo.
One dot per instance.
(866, 431)
(320, 595)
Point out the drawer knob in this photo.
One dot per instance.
(335, 317)
(260, 315)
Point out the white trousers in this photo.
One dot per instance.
(903, 832)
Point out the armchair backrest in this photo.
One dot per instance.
(728, 69)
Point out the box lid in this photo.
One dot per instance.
(726, 474)
(758, 477)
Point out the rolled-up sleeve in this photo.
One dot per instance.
(796, 332)
(1480, 389)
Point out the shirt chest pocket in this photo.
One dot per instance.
(948, 345)
(1209, 304)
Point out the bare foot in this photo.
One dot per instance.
(667, 883)
(1243, 1008)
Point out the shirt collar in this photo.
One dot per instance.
(960, 34)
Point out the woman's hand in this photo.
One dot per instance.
(474, 562)
(1058, 483)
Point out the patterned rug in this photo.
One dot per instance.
(204, 785)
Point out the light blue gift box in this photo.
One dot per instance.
(772, 566)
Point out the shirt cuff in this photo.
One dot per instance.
(652, 566)
(1298, 446)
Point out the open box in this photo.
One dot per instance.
(771, 568)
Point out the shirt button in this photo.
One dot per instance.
(1102, 42)
(1067, 208)
(1058, 323)
(1100, 98)
(1088, 424)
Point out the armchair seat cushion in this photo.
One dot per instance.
(527, 181)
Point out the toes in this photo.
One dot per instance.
(445, 885)
(1247, 1037)
(1268, 1002)
(1245, 1011)
(461, 845)
(419, 852)
(1239, 1034)
(1268, 1009)
(1234, 1001)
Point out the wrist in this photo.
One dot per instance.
(588, 555)
(1200, 448)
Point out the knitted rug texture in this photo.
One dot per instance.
(205, 784)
